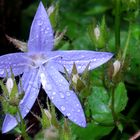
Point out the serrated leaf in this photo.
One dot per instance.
(120, 97)
(99, 105)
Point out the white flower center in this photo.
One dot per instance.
(36, 60)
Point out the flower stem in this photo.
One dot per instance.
(112, 105)
(23, 127)
(117, 25)
(126, 45)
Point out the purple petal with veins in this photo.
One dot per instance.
(31, 87)
(80, 58)
(57, 89)
(41, 33)
(16, 61)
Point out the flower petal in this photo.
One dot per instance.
(81, 59)
(31, 86)
(14, 61)
(41, 33)
(9, 123)
(57, 89)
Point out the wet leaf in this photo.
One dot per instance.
(121, 98)
(99, 105)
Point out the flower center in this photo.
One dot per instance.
(36, 60)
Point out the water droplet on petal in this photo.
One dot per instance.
(54, 93)
(48, 28)
(68, 114)
(32, 97)
(62, 95)
(49, 87)
(46, 31)
(62, 108)
(75, 120)
(68, 93)
(83, 124)
(2, 71)
(79, 67)
(94, 59)
(27, 111)
(78, 110)
(39, 22)
(21, 101)
(77, 104)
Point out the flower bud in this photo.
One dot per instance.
(51, 133)
(50, 10)
(48, 114)
(116, 66)
(9, 84)
(75, 77)
(97, 32)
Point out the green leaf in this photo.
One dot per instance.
(120, 98)
(120, 126)
(99, 105)
(93, 131)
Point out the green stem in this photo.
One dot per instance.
(117, 25)
(126, 45)
(23, 127)
(112, 105)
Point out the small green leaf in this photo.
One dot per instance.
(99, 105)
(120, 126)
(120, 97)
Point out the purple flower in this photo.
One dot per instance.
(41, 65)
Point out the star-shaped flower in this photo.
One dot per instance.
(41, 65)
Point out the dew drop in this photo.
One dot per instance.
(54, 93)
(79, 67)
(52, 97)
(62, 108)
(30, 83)
(14, 65)
(46, 31)
(49, 87)
(94, 59)
(32, 97)
(48, 28)
(39, 22)
(21, 101)
(78, 110)
(68, 114)
(26, 111)
(75, 120)
(83, 124)
(2, 71)
(62, 95)
(68, 93)
(77, 104)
